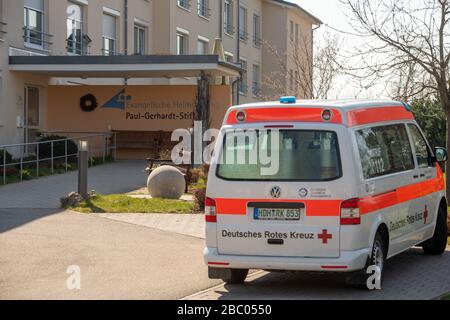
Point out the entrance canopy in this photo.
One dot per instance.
(152, 66)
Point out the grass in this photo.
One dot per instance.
(126, 204)
(446, 297)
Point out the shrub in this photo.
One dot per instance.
(199, 199)
(8, 157)
(45, 149)
(10, 171)
(26, 175)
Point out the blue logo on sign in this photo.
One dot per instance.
(119, 101)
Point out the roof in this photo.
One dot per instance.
(296, 6)
(150, 66)
(345, 105)
(347, 112)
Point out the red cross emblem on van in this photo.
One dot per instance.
(325, 236)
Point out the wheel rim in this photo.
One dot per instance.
(378, 255)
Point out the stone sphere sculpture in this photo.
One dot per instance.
(166, 182)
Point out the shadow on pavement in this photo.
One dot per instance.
(411, 275)
(14, 218)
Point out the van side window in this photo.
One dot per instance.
(384, 150)
(422, 151)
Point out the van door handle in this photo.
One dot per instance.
(416, 177)
(422, 175)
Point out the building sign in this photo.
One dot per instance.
(134, 108)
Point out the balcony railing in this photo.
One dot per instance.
(186, 4)
(203, 9)
(78, 47)
(54, 156)
(243, 35)
(257, 41)
(256, 89)
(37, 39)
(229, 28)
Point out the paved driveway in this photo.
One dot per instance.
(44, 193)
(117, 260)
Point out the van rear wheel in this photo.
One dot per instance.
(437, 244)
(238, 276)
(377, 259)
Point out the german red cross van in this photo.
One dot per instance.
(328, 186)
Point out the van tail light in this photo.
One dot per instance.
(350, 214)
(210, 210)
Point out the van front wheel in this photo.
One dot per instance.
(437, 244)
(238, 276)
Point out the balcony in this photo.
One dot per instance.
(36, 39)
(79, 47)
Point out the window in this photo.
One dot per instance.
(229, 57)
(202, 46)
(203, 8)
(384, 150)
(243, 86)
(243, 28)
(228, 17)
(304, 155)
(182, 43)
(296, 33)
(423, 154)
(31, 107)
(256, 88)
(186, 4)
(297, 82)
(34, 23)
(109, 35)
(139, 40)
(257, 30)
(75, 29)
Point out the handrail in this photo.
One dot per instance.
(107, 148)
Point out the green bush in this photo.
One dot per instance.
(26, 175)
(8, 157)
(45, 149)
(432, 119)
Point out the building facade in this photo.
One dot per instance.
(139, 27)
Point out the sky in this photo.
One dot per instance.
(332, 14)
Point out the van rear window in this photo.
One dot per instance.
(280, 155)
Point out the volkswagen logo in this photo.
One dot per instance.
(275, 192)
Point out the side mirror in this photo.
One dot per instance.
(441, 154)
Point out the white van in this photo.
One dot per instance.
(338, 186)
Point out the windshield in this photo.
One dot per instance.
(280, 155)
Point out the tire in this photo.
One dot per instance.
(377, 258)
(437, 245)
(238, 276)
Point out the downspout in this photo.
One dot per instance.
(238, 47)
(221, 19)
(126, 34)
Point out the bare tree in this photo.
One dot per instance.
(305, 71)
(408, 41)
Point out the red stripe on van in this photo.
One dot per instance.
(314, 208)
(331, 208)
(372, 115)
(257, 115)
(402, 194)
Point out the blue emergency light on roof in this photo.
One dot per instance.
(288, 100)
(407, 106)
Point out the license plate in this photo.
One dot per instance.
(277, 214)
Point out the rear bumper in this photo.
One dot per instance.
(348, 261)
